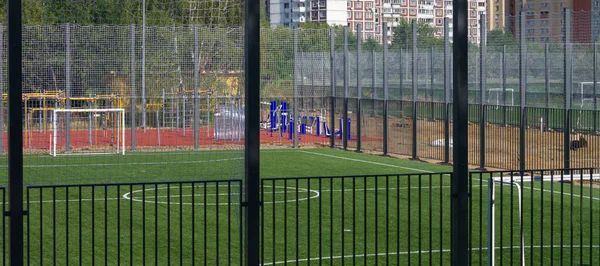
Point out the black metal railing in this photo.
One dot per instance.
(169, 223)
(359, 220)
(535, 217)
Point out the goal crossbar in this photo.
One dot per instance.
(120, 147)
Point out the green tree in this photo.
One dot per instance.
(426, 35)
(371, 44)
(499, 38)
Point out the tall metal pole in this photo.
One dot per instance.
(385, 91)
(295, 103)
(68, 87)
(359, 90)
(346, 91)
(459, 254)
(504, 85)
(333, 86)
(522, 92)
(144, 64)
(15, 133)
(431, 83)
(2, 90)
(547, 81)
(447, 102)
(595, 97)
(252, 132)
(415, 77)
(196, 112)
(132, 101)
(568, 87)
(482, 88)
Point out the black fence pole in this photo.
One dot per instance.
(547, 82)
(15, 132)
(447, 73)
(1, 89)
(196, 111)
(333, 87)
(415, 76)
(595, 97)
(568, 84)
(359, 90)
(295, 112)
(522, 92)
(132, 75)
(504, 85)
(346, 91)
(68, 87)
(401, 76)
(252, 133)
(482, 94)
(385, 91)
(373, 81)
(459, 254)
(432, 84)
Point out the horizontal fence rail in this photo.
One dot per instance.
(535, 217)
(358, 220)
(174, 223)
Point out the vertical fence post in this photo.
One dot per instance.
(432, 116)
(459, 254)
(2, 89)
(482, 89)
(595, 97)
(504, 85)
(344, 115)
(333, 87)
(196, 112)
(295, 104)
(144, 69)
(252, 132)
(447, 74)
(68, 87)
(15, 132)
(401, 86)
(373, 79)
(132, 101)
(415, 76)
(359, 90)
(568, 84)
(385, 91)
(547, 82)
(522, 91)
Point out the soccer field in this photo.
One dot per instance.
(320, 206)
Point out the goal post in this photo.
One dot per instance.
(586, 96)
(87, 131)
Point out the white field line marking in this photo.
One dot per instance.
(423, 171)
(369, 162)
(233, 194)
(125, 164)
(414, 252)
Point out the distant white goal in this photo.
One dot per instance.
(585, 95)
(497, 97)
(87, 131)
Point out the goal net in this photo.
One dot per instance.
(87, 131)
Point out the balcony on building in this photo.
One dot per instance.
(298, 19)
(299, 9)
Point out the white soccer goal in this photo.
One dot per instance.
(495, 96)
(88, 131)
(585, 95)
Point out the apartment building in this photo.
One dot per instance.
(544, 20)
(371, 14)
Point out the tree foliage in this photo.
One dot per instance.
(403, 35)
